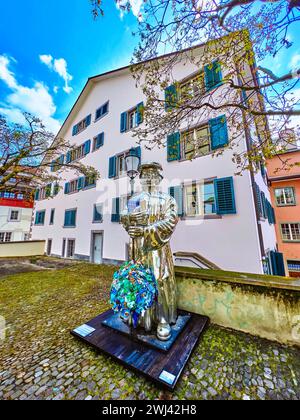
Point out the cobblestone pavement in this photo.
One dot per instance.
(39, 359)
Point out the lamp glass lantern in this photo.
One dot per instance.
(132, 165)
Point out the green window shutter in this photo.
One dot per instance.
(48, 190)
(263, 203)
(112, 167)
(115, 215)
(73, 217)
(173, 148)
(81, 182)
(218, 132)
(56, 189)
(88, 120)
(177, 193)
(140, 113)
(52, 167)
(68, 157)
(70, 218)
(225, 197)
(37, 195)
(87, 147)
(136, 151)
(171, 97)
(273, 215)
(67, 188)
(67, 218)
(213, 75)
(258, 199)
(75, 130)
(123, 127)
(100, 141)
(62, 159)
(277, 262)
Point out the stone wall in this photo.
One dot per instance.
(266, 306)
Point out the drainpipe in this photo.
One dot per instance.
(248, 143)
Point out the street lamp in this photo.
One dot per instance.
(132, 164)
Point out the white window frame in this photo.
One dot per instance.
(190, 83)
(132, 113)
(10, 214)
(197, 149)
(290, 231)
(285, 204)
(199, 198)
(5, 237)
(68, 248)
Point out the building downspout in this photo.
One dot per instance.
(259, 229)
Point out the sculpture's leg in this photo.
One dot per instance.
(164, 331)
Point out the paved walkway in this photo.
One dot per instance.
(39, 359)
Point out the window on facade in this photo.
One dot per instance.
(49, 247)
(78, 153)
(196, 142)
(73, 186)
(5, 236)
(123, 203)
(102, 111)
(82, 125)
(89, 181)
(26, 237)
(192, 87)
(63, 251)
(20, 196)
(71, 248)
(293, 265)
(290, 231)
(285, 196)
(98, 141)
(132, 118)
(7, 194)
(40, 217)
(121, 164)
(14, 216)
(70, 218)
(200, 199)
(52, 214)
(98, 213)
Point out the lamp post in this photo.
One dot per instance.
(132, 164)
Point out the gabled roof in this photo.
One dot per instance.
(91, 80)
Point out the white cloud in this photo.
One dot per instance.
(35, 100)
(5, 74)
(295, 62)
(136, 7)
(60, 67)
(46, 59)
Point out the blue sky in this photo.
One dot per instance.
(49, 48)
(62, 29)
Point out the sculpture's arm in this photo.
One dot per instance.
(159, 233)
(124, 218)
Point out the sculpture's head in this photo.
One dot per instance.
(150, 174)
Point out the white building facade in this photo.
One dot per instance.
(224, 218)
(15, 217)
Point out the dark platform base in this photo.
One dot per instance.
(115, 322)
(163, 368)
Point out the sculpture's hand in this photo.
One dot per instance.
(124, 219)
(140, 218)
(135, 231)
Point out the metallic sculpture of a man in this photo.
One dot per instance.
(150, 220)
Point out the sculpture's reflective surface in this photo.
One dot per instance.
(150, 220)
